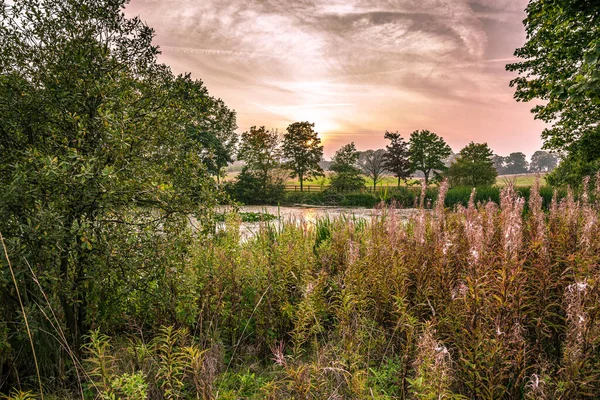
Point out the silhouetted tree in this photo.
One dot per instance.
(474, 167)
(372, 163)
(516, 163)
(427, 152)
(260, 150)
(396, 158)
(303, 151)
(543, 161)
(347, 176)
(499, 163)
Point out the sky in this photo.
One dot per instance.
(355, 68)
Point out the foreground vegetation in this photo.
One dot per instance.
(485, 302)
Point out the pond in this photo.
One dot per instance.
(311, 214)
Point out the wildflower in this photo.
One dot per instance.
(278, 355)
(512, 209)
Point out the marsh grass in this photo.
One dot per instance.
(487, 300)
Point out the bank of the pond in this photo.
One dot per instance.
(403, 197)
(278, 215)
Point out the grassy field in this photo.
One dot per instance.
(519, 180)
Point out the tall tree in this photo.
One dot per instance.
(98, 171)
(303, 150)
(210, 123)
(516, 163)
(473, 167)
(396, 158)
(427, 152)
(347, 176)
(561, 66)
(372, 163)
(543, 161)
(499, 163)
(260, 150)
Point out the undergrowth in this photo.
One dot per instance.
(484, 301)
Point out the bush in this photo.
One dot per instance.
(250, 189)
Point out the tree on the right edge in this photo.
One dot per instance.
(561, 67)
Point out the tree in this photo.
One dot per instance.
(571, 170)
(303, 150)
(561, 67)
(209, 122)
(427, 152)
(99, 173)
(372, 163)
(397, 156)
(260, 150)
(516, 163)
(499, 163)
(543, 161)
(347, 176)
(473, 167)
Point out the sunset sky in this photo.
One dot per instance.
(356, 67)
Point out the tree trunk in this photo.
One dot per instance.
(301, 178)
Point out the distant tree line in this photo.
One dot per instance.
(270, 159)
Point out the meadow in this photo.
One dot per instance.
(486, 301)
(519, 180)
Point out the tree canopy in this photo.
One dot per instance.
(516, 163)
(396, 158)
(260, 150)
(105, 156)
(427, 153)
(372, 163)
(303, 151)
(473, 167)
(561, 67)
(543, 161)
(347, 176)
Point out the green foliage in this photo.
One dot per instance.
(396, 158)
(490, 301)
(515, 163)
(570, 171)
(560, 66)
(260, 181)
(105, 157)
(19, 395)
(253, 188)
(170, 366)
(303, 150)
(347, 176)
(247, 216)
(473, 167)
(427, 152)
(543, 161)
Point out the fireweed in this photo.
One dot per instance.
(483, 301)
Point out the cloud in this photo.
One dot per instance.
(350, 60)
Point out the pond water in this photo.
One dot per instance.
(311, 214)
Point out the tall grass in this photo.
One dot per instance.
(489, 300)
